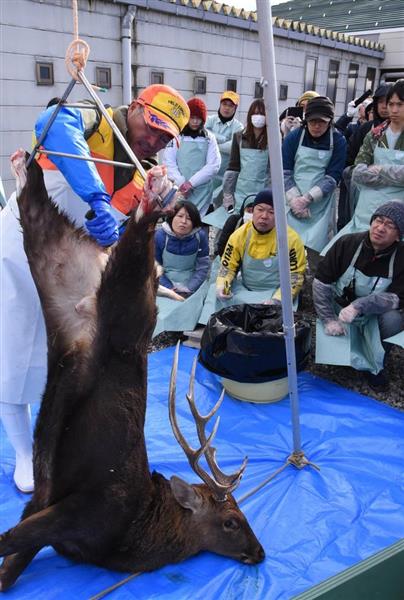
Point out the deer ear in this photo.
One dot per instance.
(185, 494)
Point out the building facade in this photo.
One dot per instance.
(199, 47)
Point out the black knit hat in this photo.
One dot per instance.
(319, 108)
(393, 210)
(264, 197)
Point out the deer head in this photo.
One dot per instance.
(219, 525)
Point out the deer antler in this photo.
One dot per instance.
(220, 484)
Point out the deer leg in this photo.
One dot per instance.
(47, 527)
(13, 565)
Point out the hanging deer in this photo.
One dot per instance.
(95, 499)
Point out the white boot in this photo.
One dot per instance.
(16, 420)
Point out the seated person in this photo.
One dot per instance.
(251, 251)
(364, 274)
(182, 252)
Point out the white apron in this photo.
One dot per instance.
(258, 282)
(191, 157)
(370, 198)
(23, 336)
(253, 177)
(361, 347)
(310, 167)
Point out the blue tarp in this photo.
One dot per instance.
(312, 524)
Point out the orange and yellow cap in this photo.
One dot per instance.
(164, 108)
(229, 95)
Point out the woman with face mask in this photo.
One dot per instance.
(248, 170)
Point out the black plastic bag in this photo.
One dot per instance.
(246, 343)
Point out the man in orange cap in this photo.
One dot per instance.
(223, 125)
(76, 186)
(150, 122)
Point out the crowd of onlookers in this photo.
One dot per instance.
(344, 199)
(351, 239)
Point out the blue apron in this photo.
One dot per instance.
(310, 167)
(172, 314)
(253, 177)
(258, 282)
(370, 198)
(361, 347)
(191, 157)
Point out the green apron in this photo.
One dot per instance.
(172, 314)
(369, 198)
(361, 347)
(253, 177)
(258, 282)
(310, 167)
(191, 157)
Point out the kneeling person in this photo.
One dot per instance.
(182, 252)
(358, 295)
(249, 269)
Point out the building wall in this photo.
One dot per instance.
(179, 46)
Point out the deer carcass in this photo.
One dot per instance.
(95, 499)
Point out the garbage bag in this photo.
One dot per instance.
(246, 343)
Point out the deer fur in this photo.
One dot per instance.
(95, 499)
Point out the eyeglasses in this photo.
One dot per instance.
(387, 223)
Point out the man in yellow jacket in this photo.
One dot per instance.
(252, 250)
(249, 269)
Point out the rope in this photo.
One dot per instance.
(78, 50)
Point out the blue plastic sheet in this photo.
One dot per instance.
(312, 524)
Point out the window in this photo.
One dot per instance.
(351, 83)
(310, 73)
(103, 77)
(332, 83)
(44, 73)
(199, 84)
(258, 90)
(283, 91)
(231, 85)
(370, 79)
(156, 77)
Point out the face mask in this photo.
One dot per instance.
(247, 217)
(258, 121)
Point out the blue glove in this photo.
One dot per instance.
(103, 226)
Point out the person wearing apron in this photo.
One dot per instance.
(182, 251)
(313, 161)
(76, 186)
(248, 170)
(252, 251)
(193, 165)
(378, 175)
(223, 125)
(361, 279)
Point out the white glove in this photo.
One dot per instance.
(352, 110)
(299, 205)
(334, 328)
(220, 295)
(348, 314)
(228, 201)
(273, 302)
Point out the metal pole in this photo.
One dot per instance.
(87, 158)
(125, 145)
(266, 40)
(50, 122)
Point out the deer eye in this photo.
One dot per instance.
(231, 525)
